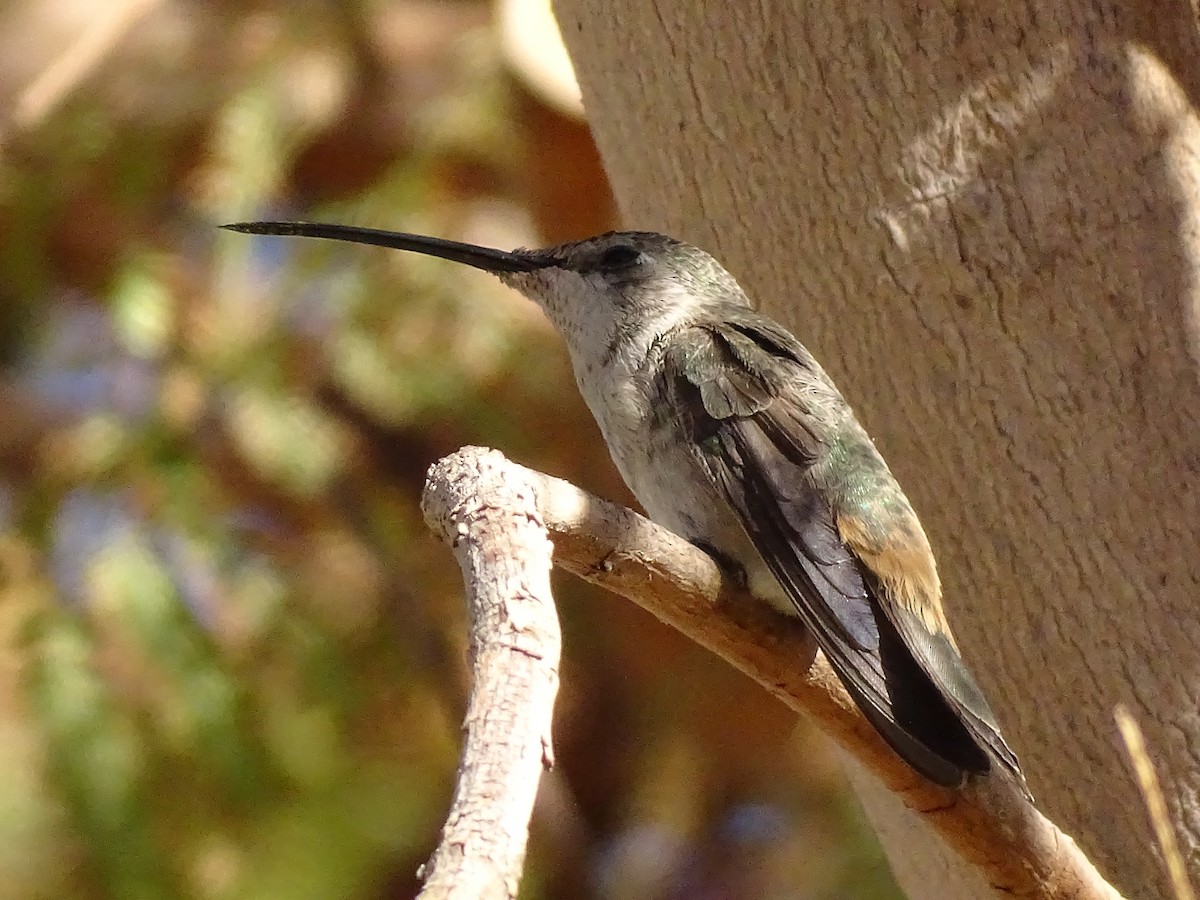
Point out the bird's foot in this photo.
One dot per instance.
(730, 567)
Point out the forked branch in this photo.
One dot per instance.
(988, 823)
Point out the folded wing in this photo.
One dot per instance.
(747, 391)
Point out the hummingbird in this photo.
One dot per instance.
(730, 434)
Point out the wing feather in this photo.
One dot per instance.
(750, 420)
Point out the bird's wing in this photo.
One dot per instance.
(758, 451)
(748, 415)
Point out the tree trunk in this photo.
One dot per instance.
(983, 220)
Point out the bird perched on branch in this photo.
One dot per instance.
(730, 434)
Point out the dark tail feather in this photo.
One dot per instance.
(923, 728)
(933, 766)
(941, 672)
(908, 710)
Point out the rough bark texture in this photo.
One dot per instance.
(488, 514)
(983, 219)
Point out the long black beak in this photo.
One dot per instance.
(486, 258)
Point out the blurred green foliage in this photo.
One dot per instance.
(233, 658)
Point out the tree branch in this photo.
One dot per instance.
(487, 511)
(473, 495)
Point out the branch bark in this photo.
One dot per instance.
(1017, 851)
(488, 514)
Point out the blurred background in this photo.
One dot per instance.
(233, 659)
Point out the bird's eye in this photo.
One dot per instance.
(618, 257)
